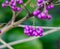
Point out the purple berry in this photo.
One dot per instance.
(36, 12)
(21, 2)
(38, 4)
(26, 27)
(28, 35)
(52, 6)
(39, 16)
(6, 2)
(14, 8)
(12, 1)
(3, 5)
(48, 7)
(43, 16)
(18, 9)
(40, 34)
(35, 33)
(13, 4)
(46, 11)
(26, 31)
(40, 29)
(30, 27)
(17, 0)
(49, 17)
(40, 1)
(30, 30)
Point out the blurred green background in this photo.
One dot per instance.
(51, 41)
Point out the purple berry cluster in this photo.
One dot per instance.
(44, 14)
(30, 31)
(50, 6)
(12, 4)
(41, 14)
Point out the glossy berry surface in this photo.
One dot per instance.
(30, 31)
(36, 12)
(44, 13)
(12, 4)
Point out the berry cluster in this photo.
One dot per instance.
(50, 6)
(30, 31)
(44, 14)
(12, 4)
(41, 14)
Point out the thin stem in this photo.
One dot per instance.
(18, 12)
(7, 45)
(56, 4)
(44, 27)
(57, 1)
(30, 38)
(6, 28)
(27, 2)
(44, 5)
(22, 20)
(34, 22)
(17, 23)
(13, 17)
(25, 8)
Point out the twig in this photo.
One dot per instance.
(7, 25)
(4, 30)
(17, 13)
(57, 1)
(7, 45)
(13, 17)
(18, 22)
(44, 27)
(27, 2)
(30, 38)
(57, 4)
(24, 6)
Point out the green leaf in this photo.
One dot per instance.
(18, 34)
